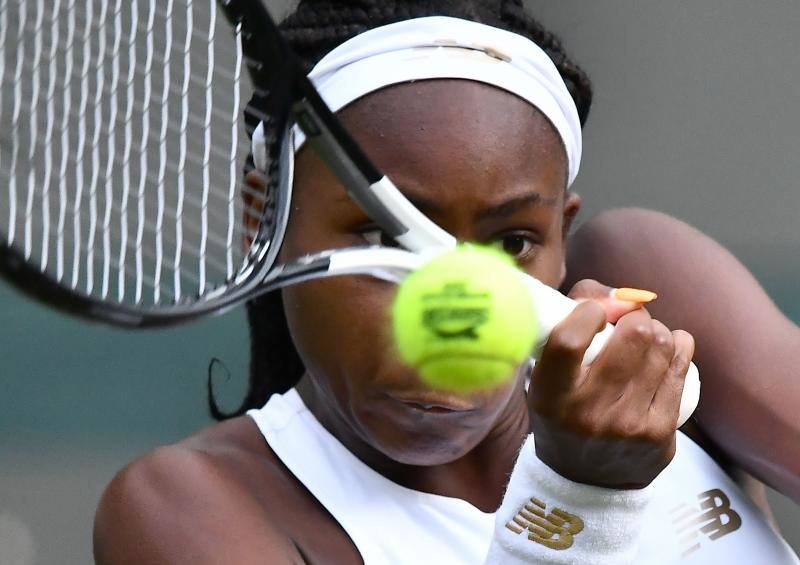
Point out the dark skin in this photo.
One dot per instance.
(487, 167)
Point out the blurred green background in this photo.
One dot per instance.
(695, 114)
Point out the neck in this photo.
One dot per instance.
(479, 476)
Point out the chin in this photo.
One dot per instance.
(424, 436)
(424, 449)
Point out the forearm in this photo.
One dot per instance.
(747, 351)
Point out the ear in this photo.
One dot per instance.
(254, 196)
(572, 205)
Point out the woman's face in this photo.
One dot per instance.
(484, 165)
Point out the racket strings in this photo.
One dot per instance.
(121, 147)
(251, 214)
(143, 245)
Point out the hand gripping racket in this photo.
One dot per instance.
(121, 142)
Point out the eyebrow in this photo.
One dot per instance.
(509, 207)
(423, 204)
(502, 210)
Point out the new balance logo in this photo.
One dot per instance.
(554, 530)
(714, 518)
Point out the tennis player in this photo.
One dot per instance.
(475, 111)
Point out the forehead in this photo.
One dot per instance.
(455, 111)
(452, 132)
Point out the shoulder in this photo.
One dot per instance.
(194, 502)
(697, 279)
(632, 234)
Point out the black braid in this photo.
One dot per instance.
(314, 29)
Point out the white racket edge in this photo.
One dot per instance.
(422, 234)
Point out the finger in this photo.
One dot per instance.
(624, 356)
(654, 368)
(615, 301)
(559, 363)
(667, 398)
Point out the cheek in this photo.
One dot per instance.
(341, 326)
(548, 262)
(549, 269)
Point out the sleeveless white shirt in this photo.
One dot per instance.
(698, 515)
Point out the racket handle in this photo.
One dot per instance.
(552, 307)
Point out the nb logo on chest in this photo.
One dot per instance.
(714, 518)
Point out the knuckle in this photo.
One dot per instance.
(583, 288)
(643, 333)
(663, 340)
(593, 308)
(565, 344)
(591, 313)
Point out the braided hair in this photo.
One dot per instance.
(313, 29)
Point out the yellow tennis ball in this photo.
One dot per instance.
(465, 320)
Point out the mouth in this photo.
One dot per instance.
(433, 402)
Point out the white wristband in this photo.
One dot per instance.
(545, 518)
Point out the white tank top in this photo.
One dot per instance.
(699, 515)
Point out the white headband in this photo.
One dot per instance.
(444, 47)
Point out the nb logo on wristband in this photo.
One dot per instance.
(554, 530)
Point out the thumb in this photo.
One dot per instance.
(615, 301)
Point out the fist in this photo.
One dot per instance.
(611, 423)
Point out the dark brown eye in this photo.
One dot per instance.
(519, 246)
(376, 236)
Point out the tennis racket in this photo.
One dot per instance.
(122, 151)
(121, 147)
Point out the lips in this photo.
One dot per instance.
(433, 401)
